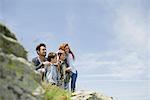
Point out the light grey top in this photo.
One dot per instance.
(52, 75)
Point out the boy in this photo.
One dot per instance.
(52, 73)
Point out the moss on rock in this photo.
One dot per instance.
(5, 31)
(17, 77)
(10, 46)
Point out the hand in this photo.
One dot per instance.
(68, 69)
(57, 63)
(46, 63)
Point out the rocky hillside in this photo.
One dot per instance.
(17, 78)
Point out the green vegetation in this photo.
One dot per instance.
(9, 43)
(55, 93)
(12, 47)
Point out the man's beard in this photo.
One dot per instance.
(44, 55)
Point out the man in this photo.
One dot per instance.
(40, 61)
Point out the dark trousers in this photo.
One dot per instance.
(73, 81)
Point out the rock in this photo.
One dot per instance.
(17, 77)
(27, 97)
(11, 46)
(38, 91)
(6, 32)
(9, 43)
(89, 95)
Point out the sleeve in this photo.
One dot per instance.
(70, 61)
(50, 74)
(37, 64)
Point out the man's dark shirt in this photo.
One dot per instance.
(37, 63)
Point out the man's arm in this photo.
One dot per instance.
(37, 63)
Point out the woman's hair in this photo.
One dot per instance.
(69, 51)
(51, 56)
(62, 46)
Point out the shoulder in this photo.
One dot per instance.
(70, 56)
(35, 59)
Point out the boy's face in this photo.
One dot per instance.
(54, 60)
(62, 57)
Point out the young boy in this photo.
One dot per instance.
(52, 73)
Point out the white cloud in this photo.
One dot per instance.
(131, 66)
(130, 60)
(130, 26)
(130, 29)
(117, 65)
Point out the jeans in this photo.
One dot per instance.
(66, 85)
(73, 81)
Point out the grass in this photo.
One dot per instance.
(55, 93)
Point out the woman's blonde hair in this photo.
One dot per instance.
(62, 46)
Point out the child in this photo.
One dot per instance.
(52, 74)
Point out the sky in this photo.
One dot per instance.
(110, 38)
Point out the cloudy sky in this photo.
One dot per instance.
(109, 37)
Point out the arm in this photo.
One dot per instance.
(50, 75)
(70, 62)
(37, 63)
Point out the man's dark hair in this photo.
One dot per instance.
(51, 56)
(38, 47)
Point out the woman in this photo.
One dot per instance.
(70, 61)
(67, 69)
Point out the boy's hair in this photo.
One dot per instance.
(51, 56)
(38, 47)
